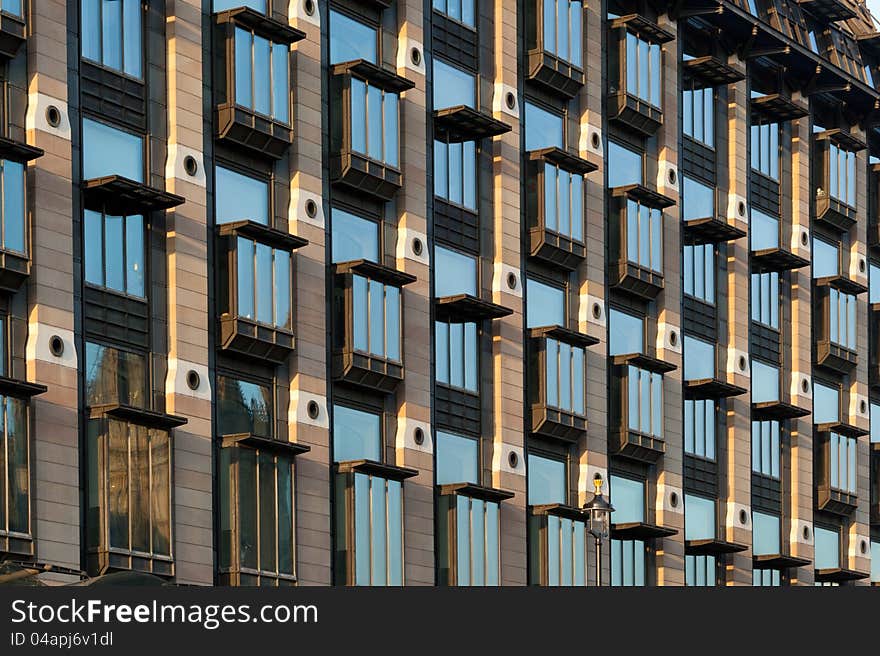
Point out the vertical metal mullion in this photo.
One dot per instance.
(277, 522)
(129, 474)
(150, 487)
(2, 206)
(6, 485)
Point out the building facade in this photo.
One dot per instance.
(369, 292)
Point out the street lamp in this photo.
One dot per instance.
(599, 511)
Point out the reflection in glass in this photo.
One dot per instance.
(351, 39)
(626, 333)
(453, 86)
(244, 407)
(826, 404)
(699, 359)
(458, 459)
(12, 193)
(454, 273)
(765, 382)
(240, 197)
(545, 304)
(357, 435)
(624, 166)
(109, 151)
(543, 128)
(699, 514)
(826, 551)
(628, 499)
(546, 480)
(456, 355)
(114, 376)
(354, 237)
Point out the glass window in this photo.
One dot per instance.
(458, 459)
(826, 404)
(766, 578)
(376, 318)
(826, 259)
(628, 559)
(699, 428)
(699, 518)
(257, 5)
(132, 489)
(454, 273)
(240, 197)
(700, 571)
(644, 236)
(765, 382)
(698, 199)
(354, 237)
(624, 166)
(826, 548)
(766, 532)
(562, 23)
(14, 467)
(545, 304)
(875, 561)
(244, 407)
(628, 499)
(115, 252)
(643, 69)
(764, 149)
(256, 502)
(546, 480)
(842, 462)
(566, 552)
(357, 435)
(874, 282)
(13, 7)
(543, 128)
(453, 86)
(457, 355)
(12, 206)
(374, 122)
(111, 34)
(645, 402)
(875, 423)
(699, 359)
(565, 377)
(698, 115)
(766, 448)
(262, 75)
(699, 272)
(478, 540)
(842, 311)
(563, 202)
(263, 283)
(351, 39)
(377, 507)
(626, 333)
(108, 151)
(842, 175)
(459, 10)
(763, 231)
(114, 376)
(455, 173)
(765, 298)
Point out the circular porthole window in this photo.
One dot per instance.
(510, 100)
(309, 7)
(311, 208)
(513, 459)
(511, 281)
(597, 311)
(595, 141)
(741, 209)
(193, 379)
(417, 247)
(419, 436)
(56, 346)
(415, 56)
(53, 116)
(190, 165)
(673, 499)
(313, 409)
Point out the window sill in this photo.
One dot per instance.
(364, 174)
(255, 132)
(556, 75)
(835, 357)
(473, 491)
(775, 107)
(710, 230)
(646, 362)
(251, 339)
(842, 428)
(635, 279)
(556, 424)
(635, 113)
(636, 446)
(711, 388)
(776, 259)
(462, 308)
(15, 543)
(15, 268)
(778, 561)
(839, 575)
(13, 34)
(260, 23)
(643, 195)
(378, 469)
(119, 196)
(709, 71)
(712, 547)
(373, 271)
(18, 152)
(277, 239)
(638, 24)
(264, 444)
(20, 389)
(385, 79)
(108, 560)
(563, 159)
(640, 531)
(560, 510)
(834, 213)
(137, 416)
(564, 335)
(842, 283)
(777, 411)
(463, 123)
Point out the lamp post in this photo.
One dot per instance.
(599, 511)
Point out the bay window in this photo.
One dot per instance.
(765, 298)
(457, 355)
(562, 25)
(455, 178)
(564, 375)
(643, 69)
(262, 78)
(112, 33)
(554, 45)
(698, 115)
(374, 119)
(842, 175)
(764, 148)
(766, 449)
(376, 317)
(699, 428)
(563, 202)
(645, 402)
(263, 283)
(842, 462)
(644, 236)
(842, 311)
(115, 252)
(699, 272)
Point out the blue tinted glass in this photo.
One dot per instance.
(90, 29)
(624, 166)
(543, 128)
(765, 382)
(875, 423)
(546, 480)
(262, 92)
(245, 255)
(356, 435)
(452, 86)
(545, 305)
(626, 333)
(628, 499)
(874, 293)
(12, 7)
(699, 518)
(263, 287)
(698, 200)
(240, 197)
(826, 404)
(93, 244)
(350, 39)
(826, 548)
(457, 459)
(354, 238)
(282, 289)
(13, 206)
(764, 231)
(134, 255)
(826, 260)
(765, 534)
(280, 83)
(131, 38)
(455, 273)
(257, 5)
(244, 83)
(111, 42)
(699, 359)
(108, 151)
(114, 268)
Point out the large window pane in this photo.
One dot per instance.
(826, 403)
(108, 151)
(765, 534)
(764, 231)
(765, 382)
(354, 238)
(457, 459)
(357, 435)
(546, 480)
(626, 333)
(628, 499)
(454, 273)
(114, 376)
(699, 359)
(545, 305)
(699, 518)
(240, 197)
(351, 39)
(826, 548)
(243, 407)
(543, 128)
(452, 86)
(624, 165)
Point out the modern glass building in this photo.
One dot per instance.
(368, 292)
